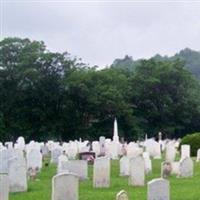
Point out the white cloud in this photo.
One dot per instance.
(101, 31)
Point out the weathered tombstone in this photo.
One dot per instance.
(124, 166)
(198, 155)
(185, 151)
(166, 169)
(34, 159)
(122, 195)
(147, 163)
(175, 168)
(4, 187)
(170, 153)
(153, 148)
(45, 150)
(101, 172)
(102, 146)
(55, 153)
(17, 174)
(186, 167)
(65, 186)
(137, 171)
(4, 161)
(158, 189)
(78, 167)
(21, 143)
(114, 150)
(61, 161)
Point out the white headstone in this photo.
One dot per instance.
(186, 167)
(170, 153)
(175, 168)
(4, 156)
(147, 163)
(137, 171)
(78, 167)
(185, 151)
(198, 155)
(55, 153)
(65, 186)
(34, 159)
(124, 166)
(101, 172)
(158, 189)
(17, 174)
(4, 187)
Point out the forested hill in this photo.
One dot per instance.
(190, 57)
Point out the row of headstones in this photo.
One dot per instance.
(134, 168)
(66, 186)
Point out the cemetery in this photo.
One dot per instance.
(142, 170)
(99, 100)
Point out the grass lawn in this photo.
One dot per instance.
(180, 188)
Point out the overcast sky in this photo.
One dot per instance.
(100, 31)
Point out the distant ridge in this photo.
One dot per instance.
(189, 56)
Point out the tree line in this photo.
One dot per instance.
(47, 95)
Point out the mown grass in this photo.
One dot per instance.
(180, 188)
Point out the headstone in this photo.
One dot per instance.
(153, 148)
(147, 163)
(175, 168)
(170, 153)
(4, 187)
(124, 166)
(122, 195)
(159, 136)
(65, 186)
(166, 169)
(114, 150)
(137, 171)
(34, 159)
(17, 174)
(158, 189)
(102, 146)
(185, 151)
(55, 153)
(78, 167)
(198, 155)
(45, 150)
(101, 172)
(186, 167)
(4, 156)
(61, 161)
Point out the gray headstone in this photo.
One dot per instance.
(17, 174)
(137, 171)
(186, 167)
(101, 173)
(65, 186)
(122, 195)
(158, 189)
(4, 187)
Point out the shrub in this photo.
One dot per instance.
(194, 141)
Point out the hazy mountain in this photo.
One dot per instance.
(190, 57)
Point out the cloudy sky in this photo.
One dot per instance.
(100, 31)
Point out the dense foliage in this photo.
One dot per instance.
(194, 141)
(46, 95)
